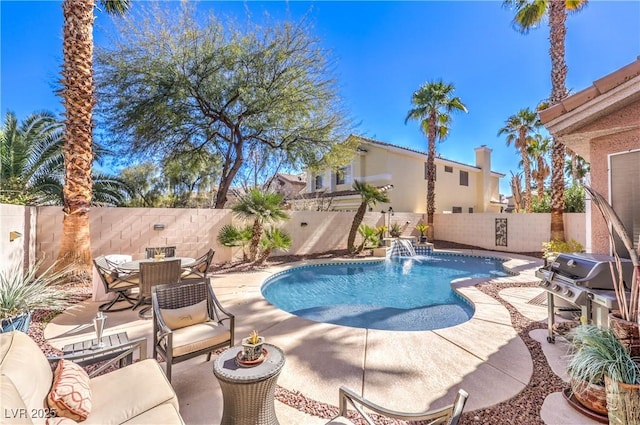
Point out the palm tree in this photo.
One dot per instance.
(78, 99)
(434, 102)
(370, 195)
(274, 238)
(576, 168)
(261, 207)
(32, 164)
(538, 150)
(529, 13)
(30, 159)
(518, 129)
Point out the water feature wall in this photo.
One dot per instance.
(401, 248)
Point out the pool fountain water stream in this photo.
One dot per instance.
(402, 248)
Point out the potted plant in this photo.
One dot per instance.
(422, 228)
(252, 346)
(21, 292)
(395, 230)
(158, 254)
(598, 356)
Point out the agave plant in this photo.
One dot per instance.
(21, 291)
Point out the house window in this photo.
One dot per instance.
(464, 178)
(318, 182)
(471, 210)
(456, 210)
(426, 172)
(343, 175)
(448, 169)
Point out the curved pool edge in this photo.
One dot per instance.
(505, 260)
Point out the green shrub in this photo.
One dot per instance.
(553, 248)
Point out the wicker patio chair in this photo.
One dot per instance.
(449, 415)
(189, 321)
(156, 273)
(168, 251)
(198, 270)
(116, 281)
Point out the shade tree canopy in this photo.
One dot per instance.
(176, 81)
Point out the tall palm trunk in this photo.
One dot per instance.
(540, 177)
(526, 164)
(557, 35)
(78, 100)
(431, 174)
(357, 220)
(255, 239)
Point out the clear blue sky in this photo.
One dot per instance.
(384, 51)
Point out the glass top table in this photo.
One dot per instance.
(134, 266)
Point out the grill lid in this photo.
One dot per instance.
(590, 270)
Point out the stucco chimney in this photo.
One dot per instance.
(483, 161)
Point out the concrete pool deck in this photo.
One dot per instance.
(409, 371)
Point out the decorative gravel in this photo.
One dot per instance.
(524, 408)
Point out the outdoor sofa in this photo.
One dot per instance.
(135, 394)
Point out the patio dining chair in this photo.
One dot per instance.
(156, 273)
(168, 251)
(449, 415)
(116, 281)
(198, 270)
(188, 321)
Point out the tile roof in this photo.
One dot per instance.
(599, 87)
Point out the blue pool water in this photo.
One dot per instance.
(401, 294)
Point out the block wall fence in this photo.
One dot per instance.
(194, 231)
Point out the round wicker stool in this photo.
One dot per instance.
(248, 392)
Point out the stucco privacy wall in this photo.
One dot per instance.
(193, 231)
(131, 230)
(20, 219)
(525, 232)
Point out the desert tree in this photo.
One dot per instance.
(176, 81)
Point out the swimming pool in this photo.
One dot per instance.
(400, 294)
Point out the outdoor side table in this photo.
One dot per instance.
(248, 392)
(117, 347)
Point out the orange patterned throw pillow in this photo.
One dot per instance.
(70, 395)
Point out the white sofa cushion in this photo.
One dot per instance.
(165, 413)
(12, 408)
(125, 393)
(28, 368)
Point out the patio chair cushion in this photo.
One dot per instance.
(199, 336)
(70, 395)
(176, 318)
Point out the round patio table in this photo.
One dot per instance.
(134, 266)
(248, 392)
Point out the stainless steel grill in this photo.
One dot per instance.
(584, 280)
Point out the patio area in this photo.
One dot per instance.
(484, 356)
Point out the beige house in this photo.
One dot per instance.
(602, 124)
(289, 185)
(460, 188)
